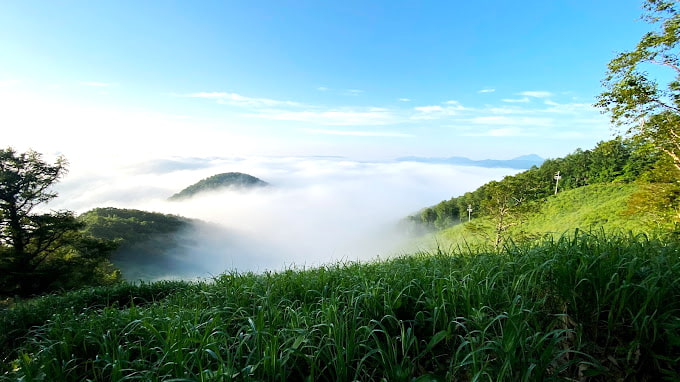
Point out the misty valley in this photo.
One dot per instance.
(154, 246)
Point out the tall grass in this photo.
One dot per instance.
(581, 306)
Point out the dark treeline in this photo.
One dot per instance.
(616, 160)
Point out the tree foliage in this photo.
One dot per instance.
(42, 251)
(150, 244)
(220, 181)
(648, 107)
(131, 227)
(508, 201)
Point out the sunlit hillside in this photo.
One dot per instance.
(602, 207)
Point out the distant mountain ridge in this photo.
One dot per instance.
(219, 181)
(521, 162)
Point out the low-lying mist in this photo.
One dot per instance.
(318, 210)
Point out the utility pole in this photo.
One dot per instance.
(557, 180)
(469, 210)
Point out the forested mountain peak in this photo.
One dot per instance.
(225, 180)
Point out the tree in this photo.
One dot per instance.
(649, 109)
(42, 251)
(507, 204)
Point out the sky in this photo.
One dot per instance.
(318, 98)
(107, 81)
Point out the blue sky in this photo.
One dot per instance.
(363, 79)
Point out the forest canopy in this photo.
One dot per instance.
(230, 179)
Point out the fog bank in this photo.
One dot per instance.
(319, 210)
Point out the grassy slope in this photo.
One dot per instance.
(581, 306)
(600, 206)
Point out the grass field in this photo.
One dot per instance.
(603, 207)
(579, 307)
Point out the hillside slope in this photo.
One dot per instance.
(230, 179)
(604, 207)
(149, 243)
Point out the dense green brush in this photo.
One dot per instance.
(602, 206)
(579, 306)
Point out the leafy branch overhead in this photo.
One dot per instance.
(649, 107)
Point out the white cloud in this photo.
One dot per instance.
(240, 100)
(256, 125)
(48, 125)
(536, 94)
(331, 117)
(454, 105)
(571, 108)
(208, 95)
(512, 121)
(322, 88)
(516, 100)
(486, 91)
(508, 110)
(501, 132)
(404, 99)
(429, 109)
(360, 133)
(450, 109)
(353, 92)
(506, 132)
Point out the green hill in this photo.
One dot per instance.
(230, 179)
(610, 207)
(145, 239)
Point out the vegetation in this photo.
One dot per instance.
(145, 239)
(606, 207)
(499, 207)
(649, 110)
(649, 155)
(215, 182)
(580, 307)
(41, 252)
(24, 315)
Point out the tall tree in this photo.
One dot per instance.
(649, 108)
(40, 251)
(507, 204)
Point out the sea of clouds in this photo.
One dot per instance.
(319, 210)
